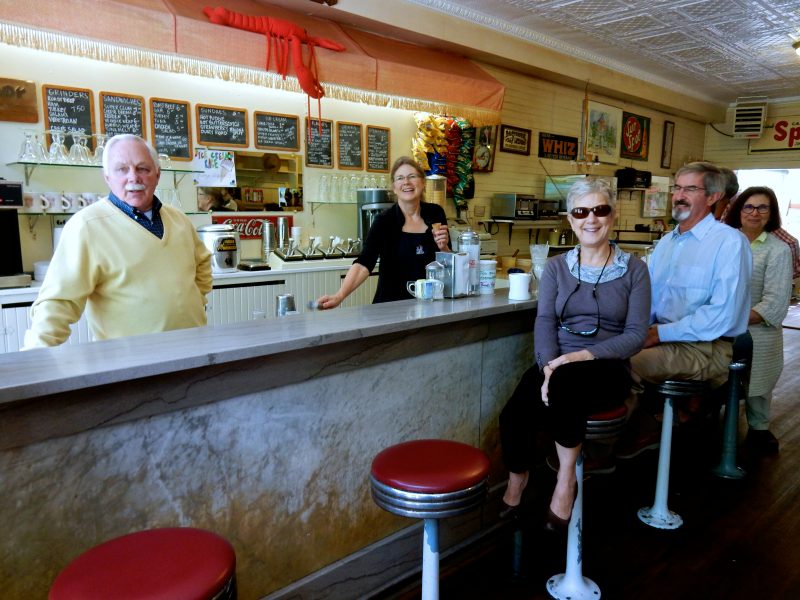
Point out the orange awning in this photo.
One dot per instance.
(372, 69)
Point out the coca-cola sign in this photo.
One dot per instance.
(249, 226)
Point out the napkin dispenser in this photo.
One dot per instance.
(456, 273)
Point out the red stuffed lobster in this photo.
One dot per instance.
(287, 33)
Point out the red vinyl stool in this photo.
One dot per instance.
(431, 480)
(156, 564)
(572, 585)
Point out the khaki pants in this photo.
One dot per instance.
(683, 360)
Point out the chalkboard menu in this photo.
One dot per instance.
(348, 145)
(378, 139)
(68, 109)
(319, 148)
(170, 129)
(277, 132)
(221, 126)
(122, 114)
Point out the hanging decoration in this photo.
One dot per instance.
(444, 146)
(281, 36)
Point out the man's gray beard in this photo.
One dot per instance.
(680, 215)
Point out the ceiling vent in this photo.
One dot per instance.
(748, 117)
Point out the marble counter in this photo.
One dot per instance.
(261, 431)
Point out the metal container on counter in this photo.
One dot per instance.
(223, 243)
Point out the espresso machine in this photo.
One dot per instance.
(371, 202)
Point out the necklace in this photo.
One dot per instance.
(591, 332)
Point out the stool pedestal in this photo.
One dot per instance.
(727, 467)
(429, 479)
(572, 585)
(659, 515)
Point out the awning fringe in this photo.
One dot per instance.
(50, 41)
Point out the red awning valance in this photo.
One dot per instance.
(370, 68)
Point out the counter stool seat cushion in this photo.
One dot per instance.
(156, 564)
(430, 466)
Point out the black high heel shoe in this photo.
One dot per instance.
(554, 523)
(508, 512)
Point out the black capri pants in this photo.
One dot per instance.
(576, 391)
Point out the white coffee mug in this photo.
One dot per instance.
(89, 198)
(425, 289)
(46, 202)
(519, 286)
(58, 204)
(75, 202)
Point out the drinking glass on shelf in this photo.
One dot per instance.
(58, 151)
(373, 181)
(99, 149)
(324, 189)
(335, 189)
(28, 153)
(79, 152)
(354, 185)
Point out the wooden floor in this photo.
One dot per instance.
(740, 539)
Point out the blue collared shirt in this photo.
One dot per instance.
(153, 224)
(701, 283)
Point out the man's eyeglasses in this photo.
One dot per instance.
(749, 208)
(581, 212)
(689, 189)
(409, 178)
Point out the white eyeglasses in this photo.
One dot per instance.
(409, 178)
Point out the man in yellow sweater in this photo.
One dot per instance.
(135, 265)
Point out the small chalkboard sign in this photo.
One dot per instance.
(69, 109)
(378, 143)
(349, 150)
(170, 128)
(121, 113)
(319, 148)
(221, 126)
(277, 132)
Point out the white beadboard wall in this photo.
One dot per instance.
(540, 105)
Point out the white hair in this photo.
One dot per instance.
(123, 137)
(590, 185)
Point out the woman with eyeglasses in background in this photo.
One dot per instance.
(405, 237)
(756, 213)
(594, 309)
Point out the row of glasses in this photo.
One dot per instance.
(343, 187)
(34, 147)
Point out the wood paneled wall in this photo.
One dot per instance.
(540, 105)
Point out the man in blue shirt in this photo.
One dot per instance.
(700, 277)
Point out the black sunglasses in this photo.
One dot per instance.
(581, 212)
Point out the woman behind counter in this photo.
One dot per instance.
(756, 213)
(405, 237)
(594, 309)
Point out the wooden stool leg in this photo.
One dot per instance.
(727, 467)
(430, 560)
(572, 585)
(659, 515)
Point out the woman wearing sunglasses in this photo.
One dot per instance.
(593, 313)
(756, 213)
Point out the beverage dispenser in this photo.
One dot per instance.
(371, 202)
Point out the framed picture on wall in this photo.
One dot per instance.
(485, 146)
(666, 144)
(603, 125)
(654, 203)
(515, 139)
(635, 136)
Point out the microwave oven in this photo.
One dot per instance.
(514, 206)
